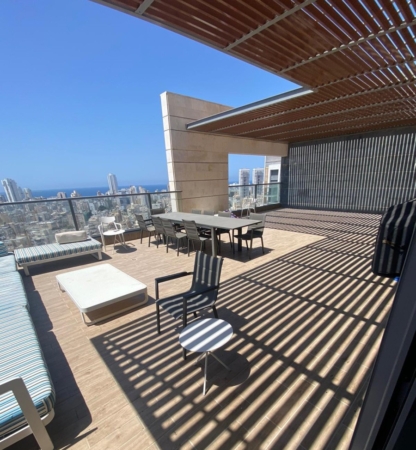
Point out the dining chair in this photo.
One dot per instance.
(208, 212)
(255, 231)
(193, 234)
(144, 228)
(221, 231)
(171, 233)
(202, 294)
(196, 211)
(159, 230)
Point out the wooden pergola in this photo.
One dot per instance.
(355, 61)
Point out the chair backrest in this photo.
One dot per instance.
(107, 223)
(224, 214)
(141, 222)
(157, 211)
(157, 223)
(107, 220)
(168, 227)
(196, 211)
(207, 272)
(207, 212)
(259, 227)
(191, 229)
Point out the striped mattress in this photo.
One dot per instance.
(7, 264)
(12, 293)
(20, 356)
(48, 251)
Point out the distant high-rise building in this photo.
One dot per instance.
(61, 195)
(27, 193)
(112, 183)
(244, 178)
(12, 190)
(75, 194)
(258, 178)
(2, 199)
(272, 171)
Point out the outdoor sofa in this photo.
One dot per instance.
(27, 394)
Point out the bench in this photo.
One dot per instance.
(27, 395)
(52, 252)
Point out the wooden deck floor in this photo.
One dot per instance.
(307, 317)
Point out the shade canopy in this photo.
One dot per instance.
(355, 59)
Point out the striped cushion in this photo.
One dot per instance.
(45, 252)
(7, 264)
(3, 249)
(20, 356)
(12, 292)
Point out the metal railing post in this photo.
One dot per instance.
(149, 202)
(255, 191)
(74, 218)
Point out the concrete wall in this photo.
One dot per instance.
(198, 162)
(367, 172)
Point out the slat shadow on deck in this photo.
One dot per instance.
(307, 317)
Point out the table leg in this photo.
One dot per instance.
(218, 359)
(214, 242)
(239, 233)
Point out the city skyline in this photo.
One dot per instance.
(253, 163)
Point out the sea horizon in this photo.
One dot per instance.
(88, 191)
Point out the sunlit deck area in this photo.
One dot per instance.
(307, 318)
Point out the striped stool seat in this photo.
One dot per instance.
(7, 264)
(12, 292)
(49, 251)
(20, 356)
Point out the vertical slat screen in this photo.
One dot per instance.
(366, 172)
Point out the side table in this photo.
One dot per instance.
(205, 336)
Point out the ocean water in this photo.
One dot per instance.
(91, 191)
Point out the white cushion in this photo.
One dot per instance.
(71, 236)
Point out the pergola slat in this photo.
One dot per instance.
(357, 55)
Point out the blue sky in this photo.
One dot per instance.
(80, 89)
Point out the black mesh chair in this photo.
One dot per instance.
(255, 231)
(202, 294)
(193, 234)
(144, 227)
(159, 230)
(221, 231)
(171, 233)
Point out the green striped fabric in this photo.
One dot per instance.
(48, 251)
(20, 356)
(12, 292)
(7, 264)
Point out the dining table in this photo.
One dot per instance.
(212, 223)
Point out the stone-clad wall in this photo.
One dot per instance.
(367, 172)
(198, 162)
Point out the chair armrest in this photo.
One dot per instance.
(118, 225)
(21, 394)
(167, 278)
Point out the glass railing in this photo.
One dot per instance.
(244, 196)
(35, 222)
